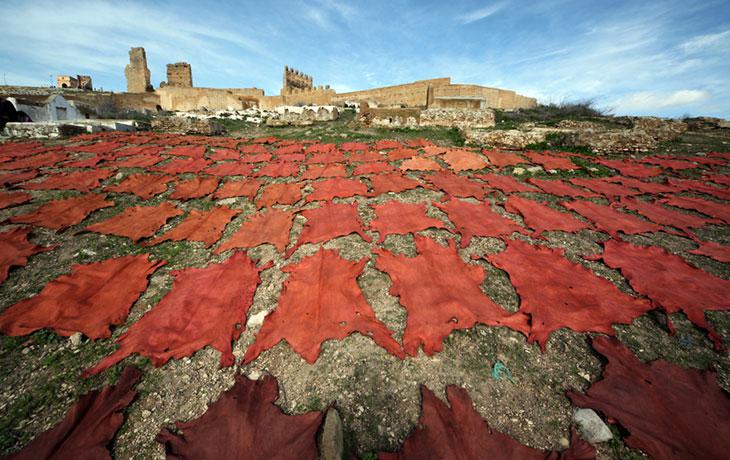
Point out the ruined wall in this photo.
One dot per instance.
(409, 94)
(295, 80)
(179, 74)
(135, 101)
(137, 73)
(66, 81)
(188, 99)
(85, 82)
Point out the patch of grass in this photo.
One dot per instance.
(560, 142)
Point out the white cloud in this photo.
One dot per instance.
(709, 41)
(655, 100)
(481, 13)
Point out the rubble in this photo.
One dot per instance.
(187, 125)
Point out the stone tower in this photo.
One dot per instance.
(295, 80)
(180, 74)
(137, 73)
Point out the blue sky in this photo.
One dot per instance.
(667, 58)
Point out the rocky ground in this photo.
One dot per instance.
(376, 394)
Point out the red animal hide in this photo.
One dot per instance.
(605, 188)
(329, 170)
(332, 156)
(141, 161)
(396, 183)
(183, 165)
(321, 301)
(254, 149)
(669, 411)
(60, 214)
(224, 154)
(665, 216)
(245, 422)
(611, 221)
(461, 160)
(144, 186)
(644, 187)
(711, 208)
(329, 221)
(372, 168)
(336, 188)
(557, 293)
(353, 147)
(542, 218)
(193, 151)
(560, 188)
(197, 187)
(670, 282)
(285, 193)
(83, 181)
(400, 154)
(550, 162)
(502, 159)
(88, 427)
(137, 222)
(396, 217)
(630, 168)
(459, 432)
(205, 226)
(17, 177)
(8, 199)
(671, 163)
(477, 220)
(700, 186)
(205, 307)
(365, 157)
(15, 250)
(90, 299)
(270, 226)
(713, 250)
(236, 188)
(257, 158)
(230, 168)
(278, 170)
(441, 293)
(506, 184)
(420, 164)
(387, 144)
(458, 186)
(43, 160)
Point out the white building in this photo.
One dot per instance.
(46, 108)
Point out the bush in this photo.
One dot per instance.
(551, 114)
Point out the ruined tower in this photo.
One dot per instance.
(179, 74)
(137, 73)
(295, 80)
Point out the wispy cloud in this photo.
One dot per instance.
(703, 42)
(481, 13)
(653, 100)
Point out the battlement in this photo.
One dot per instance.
(294, 79)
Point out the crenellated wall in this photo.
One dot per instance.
(295, 80)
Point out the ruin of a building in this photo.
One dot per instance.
(137, 73)
(78, 82)
(179, 74)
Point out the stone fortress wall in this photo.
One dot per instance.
(179, 94)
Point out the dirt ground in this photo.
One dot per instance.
(376, 394)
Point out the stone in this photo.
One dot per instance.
(146, 413)
(518, 171)
(534, 169)
(591, 427)
(564, 443)
(257, 320)
(185, 125)
(458, 118)
(75, 339)
(332, 444)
